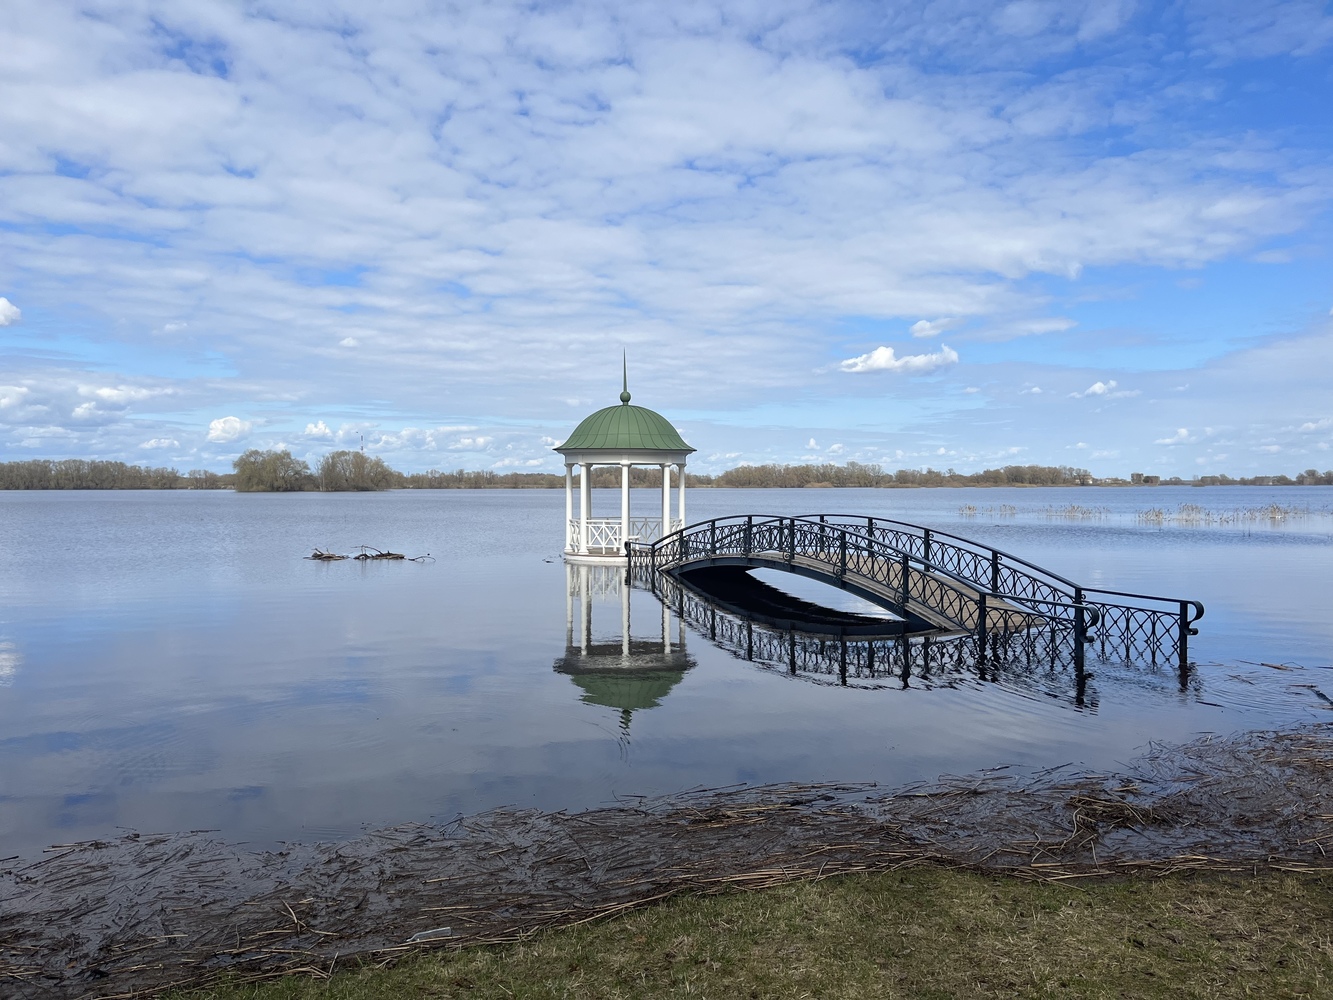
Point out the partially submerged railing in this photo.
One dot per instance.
(967, 585)
(1029, 657)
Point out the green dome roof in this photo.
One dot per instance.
(625, 428)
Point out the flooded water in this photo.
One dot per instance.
(170, 661)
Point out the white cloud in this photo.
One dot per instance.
(884, 359)
(156, 443)
(1181, 436)
(933, 327)
(478, 443)
(225, 430)
(319, 429)
(1032, 390)
(13, 395)
(9, 313)
(1323, 423)
(971, 389)
(836, 449)
(497, 196)
(120, 395)
(812, 444)
(1106, 389)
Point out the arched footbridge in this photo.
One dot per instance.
(935, 581)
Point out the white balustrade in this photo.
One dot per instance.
(604, 532)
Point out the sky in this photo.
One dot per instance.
(953, 234)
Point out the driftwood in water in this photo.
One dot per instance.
(367, 552)
(370, 552)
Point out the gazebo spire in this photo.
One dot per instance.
(624, 378)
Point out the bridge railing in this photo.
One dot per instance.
(1028, 657)
(973, 586)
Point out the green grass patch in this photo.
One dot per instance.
(921, 933)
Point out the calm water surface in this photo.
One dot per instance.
(169, 661)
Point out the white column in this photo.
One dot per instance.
(585, 504)
(624, 503)
(666, 499)
(666, 629)
(681, 502)
(569, 507)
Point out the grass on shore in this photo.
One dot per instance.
(923, 932)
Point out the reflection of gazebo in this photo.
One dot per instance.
(628, 674)
(626, 436)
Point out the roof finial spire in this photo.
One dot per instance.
(624, 373)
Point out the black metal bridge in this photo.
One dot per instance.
(936, 582)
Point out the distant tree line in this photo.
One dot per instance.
(79, 474)
(857, 474)
(277, 471)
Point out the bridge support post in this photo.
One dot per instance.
(749, 533)
(905, 568)
(1184, 627)
(982, 637)
(842, 555)
(1080, 640)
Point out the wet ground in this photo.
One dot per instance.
(128, 917)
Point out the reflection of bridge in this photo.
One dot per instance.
(1036, 659)
(937, 582)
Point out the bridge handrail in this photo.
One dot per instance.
(968, 543)
(939, 573)
(975, 548)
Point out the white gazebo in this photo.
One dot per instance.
(626, 436)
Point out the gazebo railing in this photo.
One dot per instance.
(604, 532)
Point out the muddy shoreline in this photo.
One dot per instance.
(130, 917)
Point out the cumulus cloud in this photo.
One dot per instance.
(883, 359)
(1105, 389)
(1032, 390)
(9, 313)
(319, 429)
(225, 430)
(1323, 423)
(495, 195)
(156, 443)
(1181, 436)
(932, 327)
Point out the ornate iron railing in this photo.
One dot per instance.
(1039, 657)
(953, 581)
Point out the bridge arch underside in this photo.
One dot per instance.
(726, 581)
